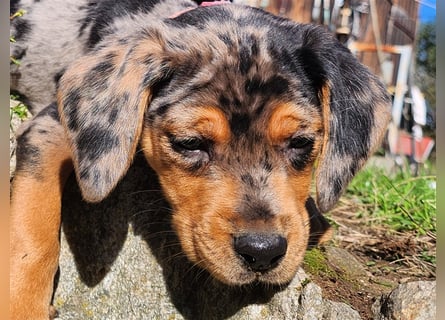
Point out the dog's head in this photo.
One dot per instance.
(235, 110)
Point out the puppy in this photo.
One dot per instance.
(235, 109)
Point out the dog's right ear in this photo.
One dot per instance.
(102, 99)
(355, 106)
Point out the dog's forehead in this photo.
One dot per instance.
(231, 58)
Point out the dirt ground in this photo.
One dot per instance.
(385, 258)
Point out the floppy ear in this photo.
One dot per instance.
(102, 99)
(356, 111)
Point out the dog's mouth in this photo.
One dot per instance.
(256, 255)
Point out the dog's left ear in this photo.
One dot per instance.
(102, 99)
(356, 111)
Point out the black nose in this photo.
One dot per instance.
(261, 252)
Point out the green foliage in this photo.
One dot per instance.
(425, 73)
(401, 201)
(316, 264)
(19, 110)
(426, 48)
(13, 60)
(17, 14)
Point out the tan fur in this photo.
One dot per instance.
(34, 233)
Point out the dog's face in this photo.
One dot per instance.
(232, 108)
(237, 176)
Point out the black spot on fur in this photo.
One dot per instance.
(201, 16)
(110, 106)
(249, 50)
(185, 20)
(58, 75)
(95, 142)
(240, 123)
(253, 208)
(245, 60)
(254, 45)
(150, 77)
(18, 54)
(28, 155)
(84, 173)
(101, 14)
(97, 177)
(272, 87)
(109, 57)
(22, 28)
(13, 6)
(312, 67)
(116, 105)
(161, 110)
(336, 185)
(50, 111)
(89, 8)
(353, 135)
(311, 77)
(98, 75)
(267, 166)
(248, 180)
(227, 39)
(224, 101)
(123, 41)
(261, 107)
(71, 105)
(253, 86)
(114, 112)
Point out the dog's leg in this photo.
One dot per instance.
(43, 165)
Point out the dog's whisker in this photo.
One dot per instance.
(146, 191)
(148, 211)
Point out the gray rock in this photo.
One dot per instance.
(413, 301)
(339, 310)
(346, 262)
(311, 303)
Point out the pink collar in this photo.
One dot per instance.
(213, 3)
(203, 4)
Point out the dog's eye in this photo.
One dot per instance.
(299, 151)
(301, 143)
(189, 144)
(194, 150)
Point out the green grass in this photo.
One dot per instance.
(316, 263)
(401, 201)
(19, 110)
